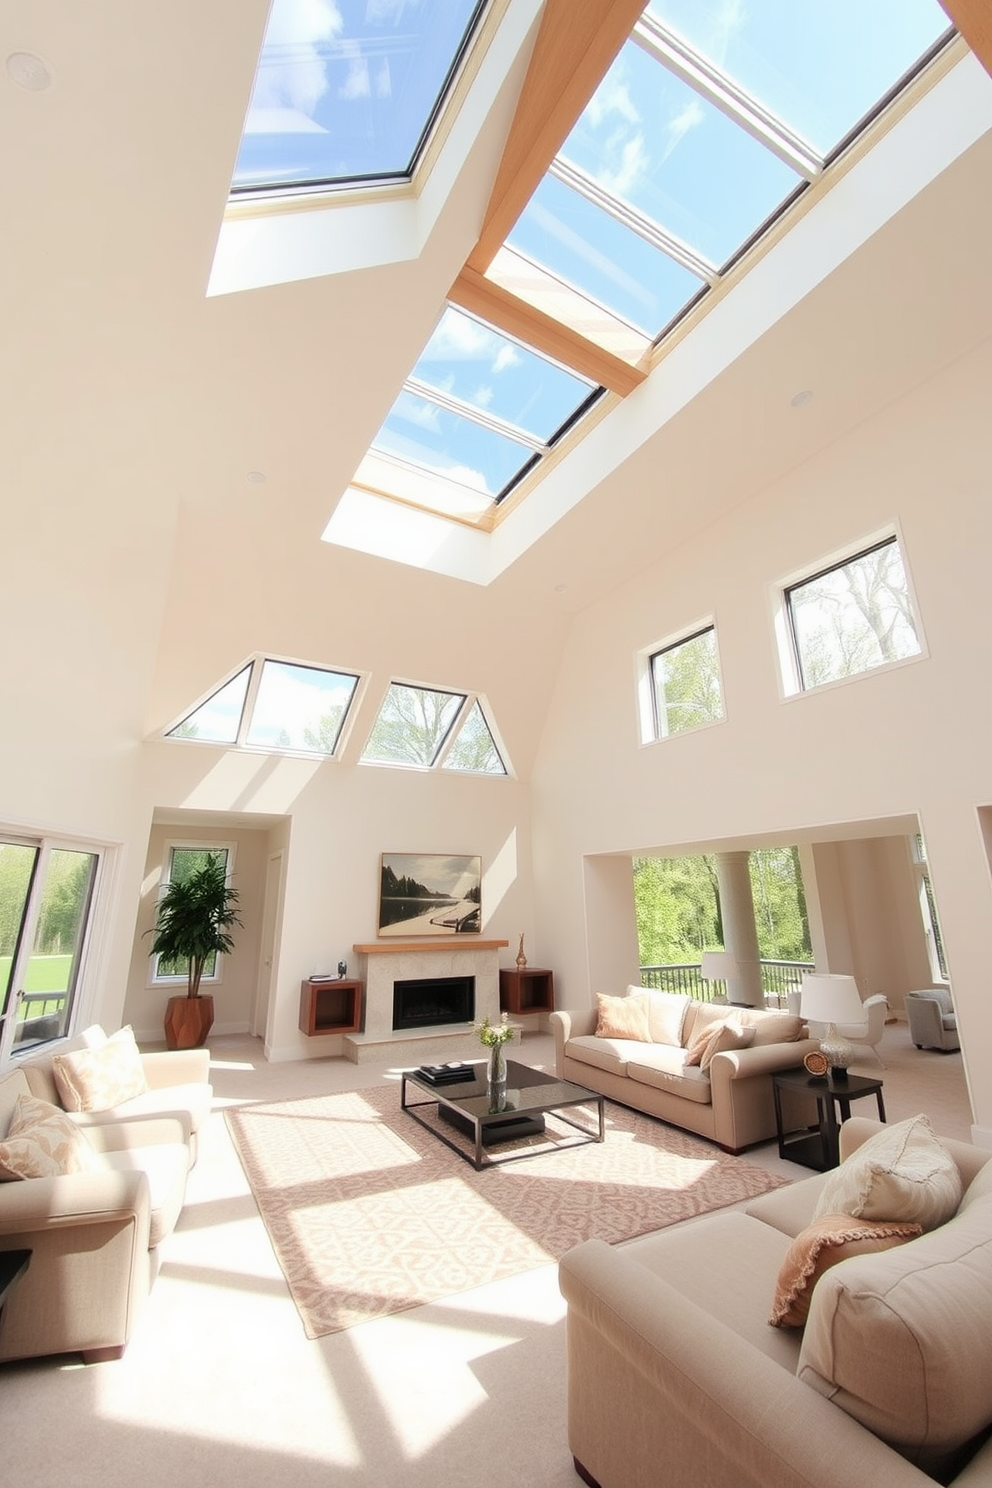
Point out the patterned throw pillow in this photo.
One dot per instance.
(730, 1033)
(43, 1142)
(821, 1245)
(100, 1078)
(623, 1017)
(904, 1172)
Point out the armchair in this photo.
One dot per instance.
(933, 1023)
(870, 1031)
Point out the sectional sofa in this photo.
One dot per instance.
(675, 1376)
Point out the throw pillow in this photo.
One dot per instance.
(666, 1014)
(729, 1033)
(820, 1246)
(101, 1078)
(623, 1017)
(901, 1173)
(43, 1142)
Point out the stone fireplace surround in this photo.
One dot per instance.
(384, 962)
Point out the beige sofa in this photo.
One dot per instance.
(675, 1376)
(731, 1103)
(93, 1235)
(178, 1085)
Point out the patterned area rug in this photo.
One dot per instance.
(370, 1214)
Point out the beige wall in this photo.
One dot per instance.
(233, 994)
(904, 744)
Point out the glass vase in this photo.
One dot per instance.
(496, 1078)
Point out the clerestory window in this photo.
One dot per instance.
(852, 617)
(685, 687)
(430, 728)
(275, 705)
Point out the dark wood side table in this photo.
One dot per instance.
(818, 1146)
(527, 990)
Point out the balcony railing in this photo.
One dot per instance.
(778, 979)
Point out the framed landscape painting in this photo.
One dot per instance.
(429, 894)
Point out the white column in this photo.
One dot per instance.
(740, 935)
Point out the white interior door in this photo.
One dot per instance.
(268, 942)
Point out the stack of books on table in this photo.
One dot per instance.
(446, 1074)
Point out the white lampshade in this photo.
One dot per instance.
(830, 999)
(718, 966)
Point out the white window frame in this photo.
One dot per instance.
(256, 661)
(469, 699)
(92, 942)
(648, 723)
(790, 676)
(214, 980)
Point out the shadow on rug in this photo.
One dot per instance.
(370, 1214)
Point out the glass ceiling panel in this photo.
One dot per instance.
(218, 720)
(820, 66)
(299, 707)
(450, 445)
(651, 140)
(478, 365)
(347, 89)
(584, 246)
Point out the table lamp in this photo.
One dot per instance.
(718, 966)
(830, 999)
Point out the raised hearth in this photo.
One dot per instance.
(380, 965)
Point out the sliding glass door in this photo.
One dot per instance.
(46, 897)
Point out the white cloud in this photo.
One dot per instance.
(291, 74)
(356, 84)
(383, 80)
(507, 356)
(611, 97)
(482, 397)
(459, 338)
(631, 168)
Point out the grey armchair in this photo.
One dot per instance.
(933, 1022)
(870, 1031)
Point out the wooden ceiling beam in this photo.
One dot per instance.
(973, 18)
(576, 43)
(496, 305)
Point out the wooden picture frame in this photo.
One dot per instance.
(429, 894)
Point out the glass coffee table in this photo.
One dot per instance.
(530, 1096)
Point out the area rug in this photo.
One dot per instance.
(369, 1214)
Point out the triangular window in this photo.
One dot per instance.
(474, 749)
(277, 705)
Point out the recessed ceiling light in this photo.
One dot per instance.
(560, 588)
(29, 71)
(799, 400)
(257, 477)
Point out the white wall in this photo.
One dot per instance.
(909, 740)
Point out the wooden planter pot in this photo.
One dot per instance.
(188, 1020)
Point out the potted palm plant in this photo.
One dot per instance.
(194, 918)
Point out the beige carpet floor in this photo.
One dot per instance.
(370, 1214)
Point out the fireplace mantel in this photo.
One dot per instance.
(451, 943)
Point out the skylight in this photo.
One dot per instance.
(675, 165)
(276, 705)
(347, 90)
(478, 409)
(714, 118)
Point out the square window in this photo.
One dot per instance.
(852, 617)
(685, 687)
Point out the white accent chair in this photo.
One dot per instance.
(933, 1022)
(870, 1031)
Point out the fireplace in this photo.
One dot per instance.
(427, 1002)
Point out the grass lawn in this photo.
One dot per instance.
(44, 974)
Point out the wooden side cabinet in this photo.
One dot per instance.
(531, 990)
(330, 1007)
